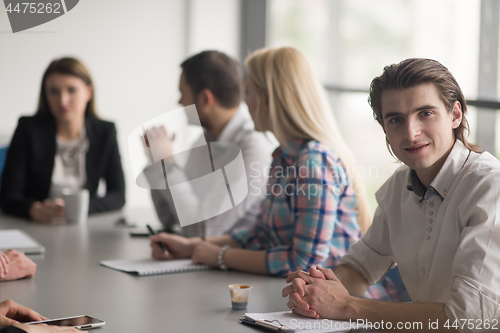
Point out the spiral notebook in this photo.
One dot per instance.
(152, 266)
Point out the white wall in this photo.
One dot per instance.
(214, 24)
(133, 50)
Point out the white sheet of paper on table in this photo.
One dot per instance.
(297, 323)
(19, 241)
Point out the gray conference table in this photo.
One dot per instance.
(70, 281)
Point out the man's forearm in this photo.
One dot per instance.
(246, 260)
(418, 317)
(352, 280)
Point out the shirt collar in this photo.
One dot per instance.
(441, 184)
(290, 152)
(233, 127)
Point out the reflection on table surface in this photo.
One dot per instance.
(70, 281)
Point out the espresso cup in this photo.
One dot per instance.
(239, 295)
(76, 206)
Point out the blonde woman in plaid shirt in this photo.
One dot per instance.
(315, 207)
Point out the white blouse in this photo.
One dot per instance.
(69, 165)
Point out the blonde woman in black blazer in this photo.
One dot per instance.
(66, 113)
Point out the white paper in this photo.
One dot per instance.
(297, 323)
(19, 241)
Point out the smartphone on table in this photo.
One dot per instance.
(78, 322)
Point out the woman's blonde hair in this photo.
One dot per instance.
(298, 108)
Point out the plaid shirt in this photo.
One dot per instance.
(309, 215)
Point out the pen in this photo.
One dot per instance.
(160, 244)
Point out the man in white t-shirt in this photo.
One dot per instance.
(438, 218)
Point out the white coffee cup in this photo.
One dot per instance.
(76, 206)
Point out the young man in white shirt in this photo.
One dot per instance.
(213, 82)
(438, 218)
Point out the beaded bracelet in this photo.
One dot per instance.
(220, 257)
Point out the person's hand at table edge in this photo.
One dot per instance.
(13, 314)
(44, 212)
(44, 328)
(19, 266)
(312, 294)
(4, 264)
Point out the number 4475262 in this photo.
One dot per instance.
(472, 324)
(39, 8)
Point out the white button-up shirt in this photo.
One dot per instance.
(445, 240)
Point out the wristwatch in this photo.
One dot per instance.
(220, 257)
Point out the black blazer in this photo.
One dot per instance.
(30, 161)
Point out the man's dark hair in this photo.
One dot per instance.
(412, 72)
(217, 72)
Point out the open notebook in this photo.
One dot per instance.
(19, 241)
(152, 266)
